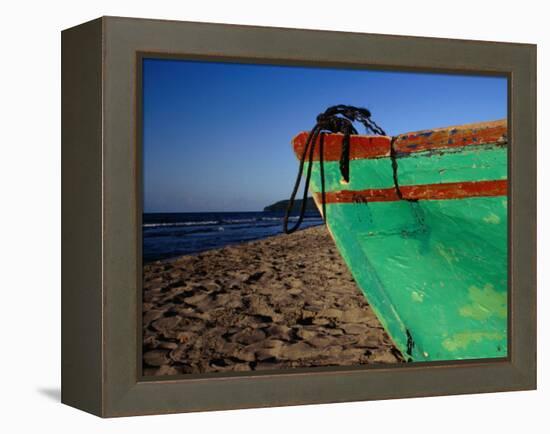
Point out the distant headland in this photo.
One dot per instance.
(282, 205)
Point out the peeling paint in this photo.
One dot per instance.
(417, 296)
(447, 252)
(486, 302)
(492, 218)
(465, 339)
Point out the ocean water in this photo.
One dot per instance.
(167, 235)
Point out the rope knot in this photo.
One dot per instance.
(335, 119)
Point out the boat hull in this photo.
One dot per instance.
(422, 225)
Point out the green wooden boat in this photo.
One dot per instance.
(422, 225)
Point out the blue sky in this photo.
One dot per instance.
(216, 136)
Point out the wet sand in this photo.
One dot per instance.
(283, 302)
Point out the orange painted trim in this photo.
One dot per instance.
(451, 190)
(484, 133)
(360, 146)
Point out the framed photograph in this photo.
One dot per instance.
(261, 217)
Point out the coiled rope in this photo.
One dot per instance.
(335, 119)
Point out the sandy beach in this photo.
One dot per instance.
(282, 302)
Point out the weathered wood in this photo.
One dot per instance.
(483, 133)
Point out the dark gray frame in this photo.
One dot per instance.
(101, 274)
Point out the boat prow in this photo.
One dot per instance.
(422, 225)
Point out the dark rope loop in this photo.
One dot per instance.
(335, 119)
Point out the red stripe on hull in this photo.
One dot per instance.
(452, 190)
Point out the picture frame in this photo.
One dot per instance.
(101, 216)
